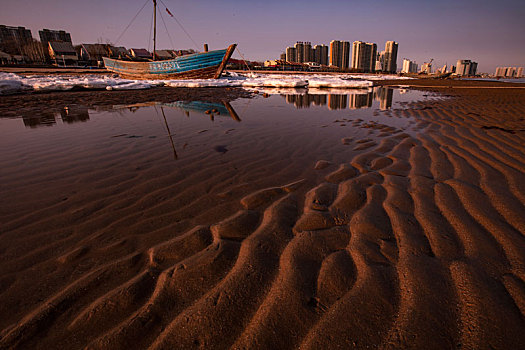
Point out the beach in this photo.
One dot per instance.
(293, 235)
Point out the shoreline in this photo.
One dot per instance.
(415, 239)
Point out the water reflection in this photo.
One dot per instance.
(356, 99)
(43, 119)
(304, 100)
(74, 114)
(337, 101)
(210, 108)
(68, 115)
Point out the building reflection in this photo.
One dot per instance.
(358, 100)
(385, 95)
(43, 119)
(305, 100)
(337, 101)
(68, 115)
(361, 101)
(74, 114)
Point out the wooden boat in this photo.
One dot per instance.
(203, 65)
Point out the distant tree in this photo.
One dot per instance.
(105, 41)
(34, 51)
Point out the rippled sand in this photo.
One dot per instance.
(417, 241)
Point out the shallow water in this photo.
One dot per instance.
(50, 156)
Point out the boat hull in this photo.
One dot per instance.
(204, 65)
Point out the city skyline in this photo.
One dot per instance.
(447, 31)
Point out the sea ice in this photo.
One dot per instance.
(13, 83)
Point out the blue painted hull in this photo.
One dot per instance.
(205, 65)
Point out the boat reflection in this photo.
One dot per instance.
(342, 99)
(210, 108)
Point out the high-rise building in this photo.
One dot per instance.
(364, 56)
(409, 66)
(339, 53)
(509, 72)
(321, 54)
(47, 35)
(501, 71)
(291, 54)
(390, 59)
(466, 67)
(380, 63)
(307, 52)
(473, 68)
(299, 47)
(282, 57)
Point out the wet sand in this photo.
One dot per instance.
(414, 242)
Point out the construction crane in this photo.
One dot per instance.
(426, 68)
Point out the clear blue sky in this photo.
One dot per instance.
(489, 32)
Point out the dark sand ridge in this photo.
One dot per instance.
(415, 242)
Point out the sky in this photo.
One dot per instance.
(491, 33)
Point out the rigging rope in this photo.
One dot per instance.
(180, 24)
(167, 32)
(120, 36)
(243, 59)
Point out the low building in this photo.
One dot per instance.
(92, 53)
(140, 53)
(163, 55)
(62, 53)
(47, 35)
(6, 58)
(118, 52)
(271, 63)
(13, 39)
(177, 53)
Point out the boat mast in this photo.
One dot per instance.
(154, 28)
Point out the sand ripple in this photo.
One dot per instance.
(418, 241)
